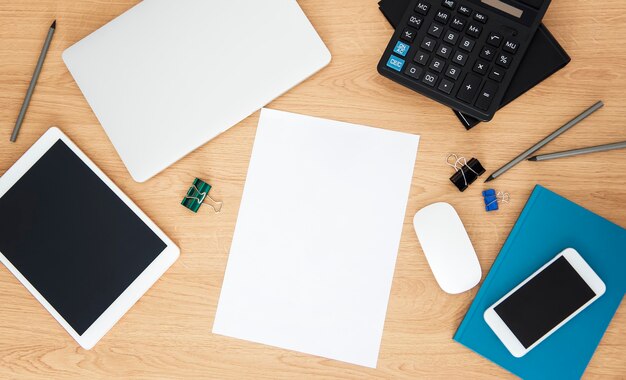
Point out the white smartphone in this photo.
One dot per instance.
(544, 302)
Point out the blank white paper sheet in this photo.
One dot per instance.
(313, 253)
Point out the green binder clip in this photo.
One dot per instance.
(198, 194)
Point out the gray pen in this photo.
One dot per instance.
(575, 152)
(33, 82)
(546, 140)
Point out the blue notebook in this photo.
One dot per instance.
(548, 224)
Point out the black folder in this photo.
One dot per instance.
(543, 58)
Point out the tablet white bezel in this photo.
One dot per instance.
(506, 335)
(136, 289)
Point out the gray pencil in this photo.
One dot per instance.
(575, 152)
(33, 82)
(546, 140)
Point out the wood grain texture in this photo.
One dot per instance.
(167, 334)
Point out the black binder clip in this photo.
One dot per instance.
(466, 172)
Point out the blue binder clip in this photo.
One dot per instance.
(491, 199)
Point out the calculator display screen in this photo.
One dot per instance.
(504, 7)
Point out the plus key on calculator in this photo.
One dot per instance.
(462, 53)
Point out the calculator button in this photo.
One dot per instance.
(408, 34)
(465, 11)
(481, 67)
(474, 30)
(395, 63)
(442, 16)
(401, 48)
(415, 21)
(444, 51)
(421, 58)
(457, 23)
(451, 37)
(467, 44)
(446, 86)
(510, 46)
(437, 65)
(459, 58)
(413, 71)
(422, 7)
(435, 30)
(430, 79)
(428, 44)
(486, 95)
(504, 60)
(453, 72)
(494, 39)
(451, 4)
(469, 88)
(487, 53)
(496, 74)
(480, 17)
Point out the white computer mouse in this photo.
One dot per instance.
(447, 247)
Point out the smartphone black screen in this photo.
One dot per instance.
(544, 302)
(72, 237)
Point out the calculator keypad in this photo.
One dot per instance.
(480, 67)
(444, 51)
(442, 16)
(446, 86)
(453, 72)
(451, 37)
(457, 52)
(487, 53)
(430, 79)
(469, 87)
(413, 71)
(415, 21)
(437, 65)
(480, 17)
(422, 7)
(494, 39)
(459, 58)
(486, 94)
(503, 60)
(474, 30)
(450, 4)
(428, 44)
(496, 74)
(510, 46)
(408, 34)
(421, 58)
(465, 11)
(435, 30)
(401, 48)
(457, 23)
(467, 44)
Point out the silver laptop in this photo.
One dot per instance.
(167, 76)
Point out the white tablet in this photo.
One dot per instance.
(75, 241)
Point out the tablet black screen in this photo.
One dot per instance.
(74, 240)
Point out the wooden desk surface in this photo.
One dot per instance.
(168, 332)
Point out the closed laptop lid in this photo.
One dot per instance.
(165, 77)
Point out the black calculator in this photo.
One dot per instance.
(462, 53)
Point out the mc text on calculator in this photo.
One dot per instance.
(462, 53)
